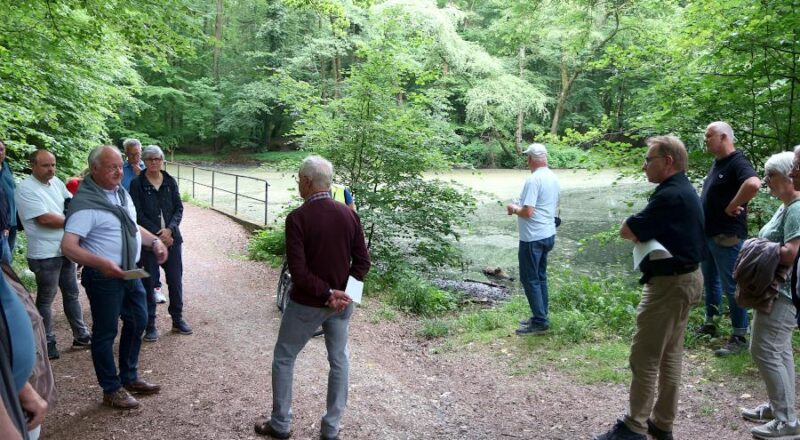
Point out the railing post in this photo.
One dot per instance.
(193, 179)
(236, 195)
(212, 187)
(266, 204)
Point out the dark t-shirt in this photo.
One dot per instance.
(674, 218)
(719, 188)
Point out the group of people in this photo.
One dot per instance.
(121, 219)
(705, 236)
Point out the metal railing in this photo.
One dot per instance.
(245, 188)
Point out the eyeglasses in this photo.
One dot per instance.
(648, 160)
(153, 159)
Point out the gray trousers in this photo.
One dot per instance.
(298, 326)
(52, 274)
(771, 347)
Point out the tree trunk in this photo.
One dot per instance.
(217, 55)
(566, 85)
(521, 114)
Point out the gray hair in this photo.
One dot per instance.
(723, 128)
(152, 151)
(131, 143)
(670, 145)
(780, 163)
(797, 148)
(319, 170)
(94, 155)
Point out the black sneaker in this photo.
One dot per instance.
(706, 330)
(52, 351)
(533, 329)
(181, 327)
(657, 432)
(82, 342)
(736, 344)
(525, 322)
(620, 432)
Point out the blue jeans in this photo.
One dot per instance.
(718, 278)
(173, 268)
(298, 325)
(52, 274)
(112, 299)
(533, 276)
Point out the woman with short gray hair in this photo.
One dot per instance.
(159, 209)
(771, 341)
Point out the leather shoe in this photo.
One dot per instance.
(325, 437)
(142, 387)
(120, 399)
(262, 427)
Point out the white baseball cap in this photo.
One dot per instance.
(535, 150)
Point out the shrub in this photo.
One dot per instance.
(414, 295)
(267, 245)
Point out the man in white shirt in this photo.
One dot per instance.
(101, 234)
(536, 212)
(40, 200)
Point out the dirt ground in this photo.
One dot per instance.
(217, 381)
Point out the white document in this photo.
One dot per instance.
(135, 274)
(656, 250)
(354, 289)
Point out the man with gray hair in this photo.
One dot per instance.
(41, 202)
(324, 247)
(673, 217)
(536, 217)
(102, 235)
(730, 184)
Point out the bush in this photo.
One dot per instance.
(414, 295)
(267, 245)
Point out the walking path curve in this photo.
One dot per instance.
(217, 381)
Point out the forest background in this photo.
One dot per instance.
(391, 89)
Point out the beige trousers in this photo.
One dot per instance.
(657, 349)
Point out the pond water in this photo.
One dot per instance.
(591, 202)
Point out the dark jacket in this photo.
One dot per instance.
(151, 204)
(759, 274)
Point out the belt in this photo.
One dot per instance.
(667, 270)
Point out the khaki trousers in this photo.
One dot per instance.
(657, 349)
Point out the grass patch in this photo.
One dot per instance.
(606, 362)
(241, 156)
(384, 313)
(267, 245)
(20, 263)
(434, 328)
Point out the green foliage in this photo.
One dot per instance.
(406, 291)
(66, 66)
(380, 148)
(434, 328)
(267, 245)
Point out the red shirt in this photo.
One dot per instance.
(72, 184)
(324, 245)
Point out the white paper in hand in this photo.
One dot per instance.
(656, 250)
(354, 289)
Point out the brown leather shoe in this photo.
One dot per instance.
(142, 387)
(262, 427)
(120, 399)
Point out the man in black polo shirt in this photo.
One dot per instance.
(673, 217)
(730, 184)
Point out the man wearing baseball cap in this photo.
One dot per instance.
(536, 214)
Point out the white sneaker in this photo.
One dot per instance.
(160, 299)
(777, 429)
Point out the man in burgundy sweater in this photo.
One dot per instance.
(324, 245)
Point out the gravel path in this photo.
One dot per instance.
(217, 381)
